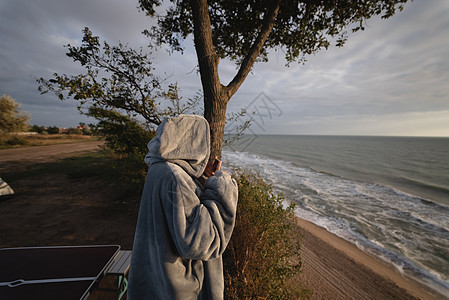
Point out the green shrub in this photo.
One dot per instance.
(37, 128)
(126, 141)
(264, 251)
(53, 130)
(86, 131)
(74, 130)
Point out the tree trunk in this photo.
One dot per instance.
(216, 95)
(215, 113)
(215, 99)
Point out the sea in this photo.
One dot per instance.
(387, 195)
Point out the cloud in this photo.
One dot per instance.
(393, 67)
(403, 124)
(33, 34)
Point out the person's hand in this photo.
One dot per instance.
(209, 171)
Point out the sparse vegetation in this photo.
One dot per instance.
(85, 165)
(43, 139)
(264, 251)
(13, 140)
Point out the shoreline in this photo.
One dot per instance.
(336, 269)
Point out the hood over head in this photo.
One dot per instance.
(183, 140)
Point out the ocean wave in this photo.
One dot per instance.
(427, 185)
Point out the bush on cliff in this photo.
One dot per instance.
(264, 251)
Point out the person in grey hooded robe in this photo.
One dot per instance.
(183, 226)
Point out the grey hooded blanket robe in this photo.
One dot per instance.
(183, 228)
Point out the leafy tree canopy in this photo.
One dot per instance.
(119, 90)
(300, 27)
(11, 119)
(117, 78)
(245, 31)
(120, 81)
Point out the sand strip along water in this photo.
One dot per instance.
(336, 269)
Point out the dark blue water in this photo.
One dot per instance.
(387, 195)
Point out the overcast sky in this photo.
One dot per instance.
(391, 79)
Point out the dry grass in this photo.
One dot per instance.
(42, 140)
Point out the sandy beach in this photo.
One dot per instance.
(336, 269)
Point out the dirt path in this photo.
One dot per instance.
(46, 153)
(55, 208)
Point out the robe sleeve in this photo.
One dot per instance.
(201, 227)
